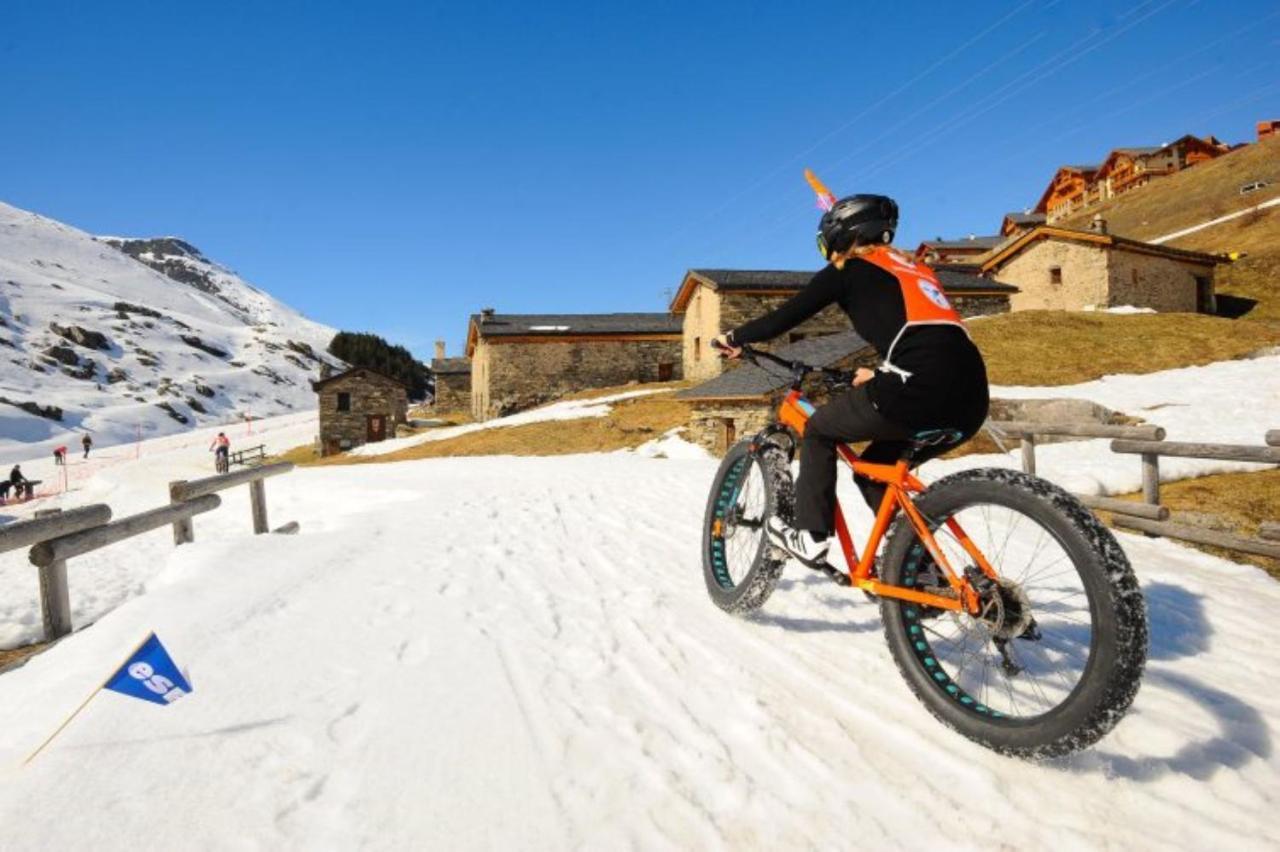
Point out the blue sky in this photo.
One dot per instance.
(393, 167)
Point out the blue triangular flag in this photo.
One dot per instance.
(150, 674)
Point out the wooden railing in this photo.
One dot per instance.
(1148, 442)
(182, 490)
(55, 536)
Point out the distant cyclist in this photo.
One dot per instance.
(931, 374)
(221, 447)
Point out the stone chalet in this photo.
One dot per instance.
(452, 381)
(1064, 269)
(714, 301)
(522, 360)
(742, 401)
(359, 406)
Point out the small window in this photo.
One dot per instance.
(697, 349)
(1055, 274)
(730, 431)
(1133, 276)
(665, 371)
(344, 402)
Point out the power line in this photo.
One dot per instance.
(846, 125)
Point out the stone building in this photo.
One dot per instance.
(1064, 269)
(358, 407)
(452, 381)
(739, 403)
(519, 361)
(714, 301)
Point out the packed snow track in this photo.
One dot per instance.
(520, 653)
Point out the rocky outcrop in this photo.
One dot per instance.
(63, 355)
(82, 336)
(196, 343)
(48, 412)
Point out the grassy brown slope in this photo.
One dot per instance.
(1061, 348)
(1241, 500)
(1204, 191)
(628, 424)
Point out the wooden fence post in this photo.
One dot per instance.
(1028, 453)
(184, 532)
(1151, 478)
(55, 593)
(258, 503)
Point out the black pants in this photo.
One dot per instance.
(848, 418)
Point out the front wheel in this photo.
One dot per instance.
(1055, 656)
(739, 565)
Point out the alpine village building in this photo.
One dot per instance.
(452, 381)
(1058, 268)
(1074, 188)
(711, 302)
(522, 360)
(357, 407)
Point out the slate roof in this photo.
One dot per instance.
(985, 242)
(750, 381)
(963, 280)
(1025, 218)
(370, 374)
(753, 279)
(450, 366)
(499, 325)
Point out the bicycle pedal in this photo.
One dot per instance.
(837, 576)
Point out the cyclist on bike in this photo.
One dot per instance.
(221, 447)
(931, 374)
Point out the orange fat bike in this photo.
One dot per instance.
(1011, 612)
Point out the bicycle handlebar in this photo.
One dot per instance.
(798, 369)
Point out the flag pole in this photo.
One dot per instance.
(66, 722)
(83, 704)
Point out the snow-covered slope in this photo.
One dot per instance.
(519, 653)
(118, 337)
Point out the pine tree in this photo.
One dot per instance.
(360, 349)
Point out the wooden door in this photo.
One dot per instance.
(376, 427)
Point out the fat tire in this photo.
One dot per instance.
(750, 593)
(1111, 678)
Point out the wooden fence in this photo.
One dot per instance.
(55, 536)
(1149, 444)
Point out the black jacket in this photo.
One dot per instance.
(948, 384)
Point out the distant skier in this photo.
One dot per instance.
(221, 447)
(87, 443)
(60, 455)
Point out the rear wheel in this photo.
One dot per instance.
(739, 565)
(1054, 658)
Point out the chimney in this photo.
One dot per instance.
(440, 349)
(1098, 224)
(326, 370)
(486, 314)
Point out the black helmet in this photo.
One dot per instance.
(857, 220)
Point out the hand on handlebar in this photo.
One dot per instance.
(725, 348)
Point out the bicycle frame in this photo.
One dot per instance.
(794, 412)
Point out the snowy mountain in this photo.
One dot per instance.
(125, 337)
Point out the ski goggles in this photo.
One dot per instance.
(822, 247)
